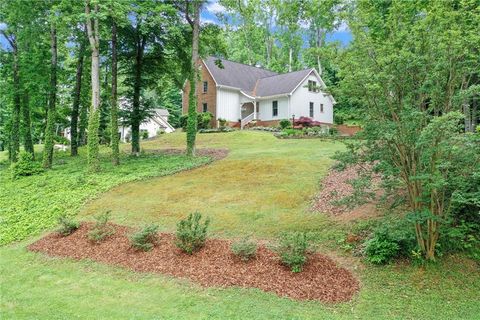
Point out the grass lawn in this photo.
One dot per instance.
(262, 188)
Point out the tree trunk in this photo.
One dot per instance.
(76, 100)
(475, 114)
(27, 126)
(114, 110)
(290, 58)
(94, 117)
(137, 86)
(14, 146)
(192, 105)
(50, 127)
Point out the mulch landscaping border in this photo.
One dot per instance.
(214, 265)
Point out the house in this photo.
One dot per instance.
(156, 124)
(242, 93)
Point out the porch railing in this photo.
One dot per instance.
(246, 120)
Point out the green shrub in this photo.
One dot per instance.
(393, 238)
(191, 233)
(66, 225)
(146, 238)
(182, 121)
(204, 120)
(381, 250)
(338, 119)
(101, 229)
(333, 131)
(293, 248)
(245, 249)
(222, 122)
(25, 166)
(285, 123)
(144, 134)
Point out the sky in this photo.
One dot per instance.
(343, 35)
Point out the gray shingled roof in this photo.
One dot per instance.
(252, 80)
(280, 84)
(236, 74)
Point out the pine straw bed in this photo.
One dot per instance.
(214, 265)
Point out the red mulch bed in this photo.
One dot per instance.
(335, 187)
(214, 265)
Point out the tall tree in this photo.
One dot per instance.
(407, 65)
(193, 78)
(114, 103)
(77, 95)
(14, 146)
(94, 117)
(51, 116)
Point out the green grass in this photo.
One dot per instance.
(29, 205)
(263, 187)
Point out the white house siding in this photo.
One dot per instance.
(266, 109)
(301, 98)
(228, 104)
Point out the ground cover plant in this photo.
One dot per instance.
(32, 204)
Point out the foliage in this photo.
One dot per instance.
(393, 238)
(461, 237)
(191, 233)
(268, 129)
(67, 225)
(285, 123)
(222, 122)
(39, 200)
(146, 238)
(220, 129)
(203, 121)
(25, 166)
(413, 127)
(245, 249)
(101, 229)
(380, 250)
(293, 248)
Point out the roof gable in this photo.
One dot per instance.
(237, 75)
(280, 84)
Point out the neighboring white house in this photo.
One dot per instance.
(153, 126)
(235, 91)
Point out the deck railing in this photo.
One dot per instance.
(246, 120)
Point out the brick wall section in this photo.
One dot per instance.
(210, 97)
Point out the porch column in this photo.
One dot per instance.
(254, 109)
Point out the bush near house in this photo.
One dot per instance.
(285, 123)
(203, 120)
